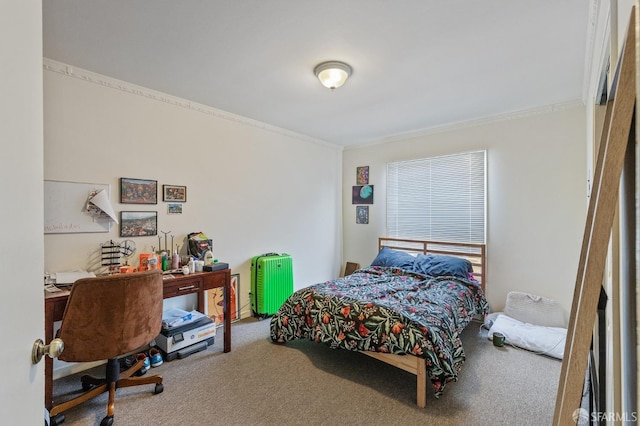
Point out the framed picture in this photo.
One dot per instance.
(362, 194)
(235, 297)
(138, 224)
(214, 307)
(362, 175)
(174, 208)
(138, 191)
(174, 193)
(362, 214)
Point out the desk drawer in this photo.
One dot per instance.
(183, 286)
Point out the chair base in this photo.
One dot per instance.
(94, 386)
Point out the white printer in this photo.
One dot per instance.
(184, 333)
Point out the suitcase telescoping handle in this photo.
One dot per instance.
(271, 254)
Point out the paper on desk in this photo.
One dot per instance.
(71, 277)
(52, 288)
(101, 201)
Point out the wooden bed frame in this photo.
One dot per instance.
(475, 253)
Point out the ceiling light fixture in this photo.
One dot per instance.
(332, 74)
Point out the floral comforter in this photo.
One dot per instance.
(388, 310)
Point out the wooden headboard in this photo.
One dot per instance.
(474, 253)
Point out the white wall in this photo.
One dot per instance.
(251, 188)
(536, 197)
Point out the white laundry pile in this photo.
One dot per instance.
(532, 323)
(537, 338)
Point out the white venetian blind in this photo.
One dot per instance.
(438, 198)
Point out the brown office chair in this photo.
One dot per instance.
(108, 318)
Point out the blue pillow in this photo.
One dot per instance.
(396, 258)
(440, 265)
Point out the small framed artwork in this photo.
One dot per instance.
(362, 194)
(174, 193)
(174, 208)
(138, 224)
(362, 175)
(362, 214)
(138, 191)
(214, 306)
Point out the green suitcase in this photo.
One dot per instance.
(271, 283)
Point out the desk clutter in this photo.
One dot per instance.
(199, 256)
(115, 257)
(112, 253)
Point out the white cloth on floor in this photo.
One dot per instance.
(537, 338)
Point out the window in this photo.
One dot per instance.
(439, 198)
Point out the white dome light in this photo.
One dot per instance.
(333, 74)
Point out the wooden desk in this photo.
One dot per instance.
(199, 282)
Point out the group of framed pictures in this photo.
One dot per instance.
(145, 191)
(362, 193)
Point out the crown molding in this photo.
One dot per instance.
(132, 89)
(112, 83)
(514, 115)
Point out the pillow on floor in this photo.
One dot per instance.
(536, 310)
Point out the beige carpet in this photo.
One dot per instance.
(304, 383)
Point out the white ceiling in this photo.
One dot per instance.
(417, 64)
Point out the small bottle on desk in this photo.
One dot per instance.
(208, 258)
(165, 263)
(175, 260)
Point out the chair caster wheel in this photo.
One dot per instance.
(159, 388)
(107, 421)
(56, 420)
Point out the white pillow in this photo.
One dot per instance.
(536, 310)
(540, 339)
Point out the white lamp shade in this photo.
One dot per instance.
(333, 74)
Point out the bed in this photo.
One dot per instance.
(407, 309)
